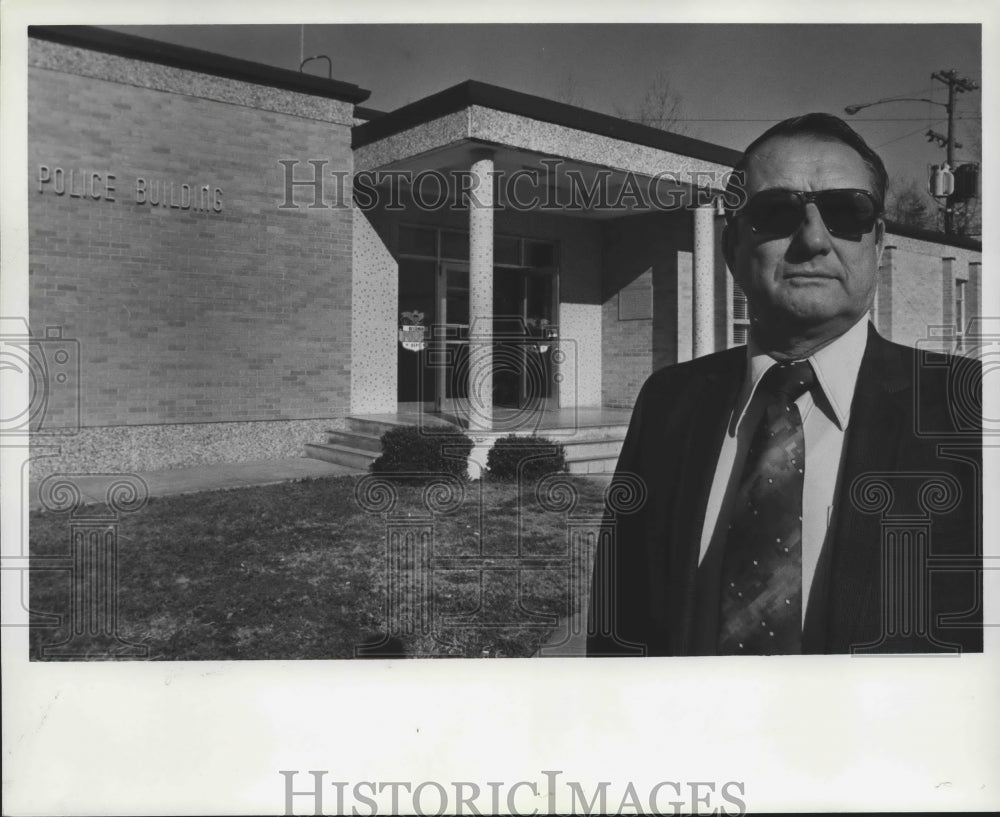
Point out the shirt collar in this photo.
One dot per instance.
(836, 366)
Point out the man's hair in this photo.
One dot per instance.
(819, 126)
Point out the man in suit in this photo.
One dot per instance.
(817, 491)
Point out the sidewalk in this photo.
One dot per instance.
(206, 478)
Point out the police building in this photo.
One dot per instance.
(234, 262)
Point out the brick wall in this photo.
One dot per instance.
(916, 289)
(639, 254)
(187, 316)
(653, 249)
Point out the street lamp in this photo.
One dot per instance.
(853, 109)
(956, 85)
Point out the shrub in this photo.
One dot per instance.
(539, 455)
(409, 449)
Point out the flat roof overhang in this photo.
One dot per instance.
(479, 94)
(130, 46)
(573, 150)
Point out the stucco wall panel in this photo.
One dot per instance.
(580, 341)
(419, 139)
(373, 326)
(557, 140)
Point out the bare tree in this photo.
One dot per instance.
(568, 91)
(659, 107)
(909, 203)
(968, 218)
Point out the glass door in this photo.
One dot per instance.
(434, 335)
(452, 335)
(417, 313)
(525, 338)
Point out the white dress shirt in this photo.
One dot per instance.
(825, 414)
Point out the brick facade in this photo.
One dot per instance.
(229, 309)
(917, 290)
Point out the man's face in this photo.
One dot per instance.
(810, 283)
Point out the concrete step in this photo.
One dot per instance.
(590, 449)
(583, 433)
(371, 428)
(341, 454)
(578, 432)
(593, 465)
(376, 428)
(350, 439)
(575, 437)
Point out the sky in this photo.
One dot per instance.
(733, 80)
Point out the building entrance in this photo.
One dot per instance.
(433, 359)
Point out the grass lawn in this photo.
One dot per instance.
(301, 570)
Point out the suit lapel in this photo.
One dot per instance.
(880, 411)
(712, 408)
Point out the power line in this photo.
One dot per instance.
(912, 133)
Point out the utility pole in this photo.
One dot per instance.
(956, 85)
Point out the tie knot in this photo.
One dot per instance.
(791, 380)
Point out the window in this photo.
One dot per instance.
(960, 313)
(507, 250)
(539, 254)
(418, 241)
(453, 245)
(741, 316)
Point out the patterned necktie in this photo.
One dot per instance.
(761, 601)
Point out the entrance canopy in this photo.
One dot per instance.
(601, 166)
(480, 148)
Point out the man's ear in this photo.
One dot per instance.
(879, 241)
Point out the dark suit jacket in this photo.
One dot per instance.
(900, 570)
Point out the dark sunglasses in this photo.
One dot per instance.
(778, 213)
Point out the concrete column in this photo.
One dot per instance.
(948, 315)
(883, 297)
(704, 275)
(481, 202)
(973, 291)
